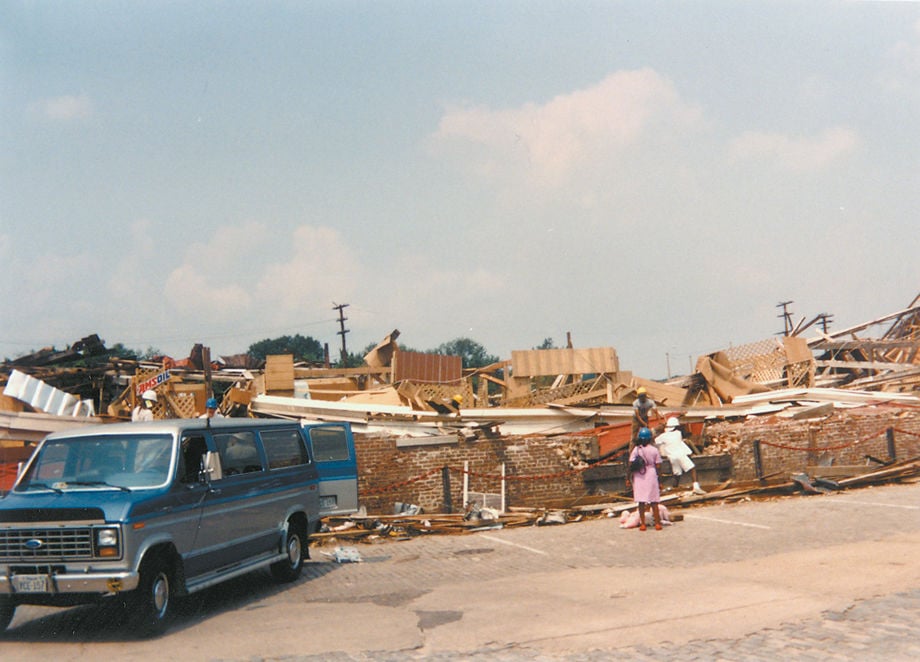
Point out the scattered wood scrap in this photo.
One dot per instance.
(382, 528)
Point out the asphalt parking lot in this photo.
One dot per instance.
(829, 577)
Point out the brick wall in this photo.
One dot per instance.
(845, 437)
(386, 472)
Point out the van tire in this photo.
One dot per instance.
(7, 609)
(295, 541)
(152, 604)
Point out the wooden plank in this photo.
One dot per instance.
(905, 468)
(317, 373)
(837, 470)
(867, 345)
(864, 365)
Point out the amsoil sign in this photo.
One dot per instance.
(152, 383)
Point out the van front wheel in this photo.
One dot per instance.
(152, 603)
(289, 569)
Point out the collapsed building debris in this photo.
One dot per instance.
(375, 529)
(434, 400)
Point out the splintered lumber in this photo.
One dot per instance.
(434, 523)
(347, 533)
(905, 469)
(837, 470)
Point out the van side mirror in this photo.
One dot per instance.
(211, 470)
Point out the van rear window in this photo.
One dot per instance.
(284, 448)
(329, 444)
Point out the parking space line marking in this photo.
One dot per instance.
(726, 521)
(883, 505)
(513, 544)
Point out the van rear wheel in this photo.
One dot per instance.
(289, 569)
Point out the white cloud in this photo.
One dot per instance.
(903, 66)
(321, 266)
(796, 154)
(215, 278)
(552, 139)
(65, 108)
(191, 291)
(124, 278)
(253, 271)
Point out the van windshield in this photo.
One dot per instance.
(101, 462)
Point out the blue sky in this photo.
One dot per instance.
(651, 176)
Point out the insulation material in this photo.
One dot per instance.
(44, 397)
(722, 381)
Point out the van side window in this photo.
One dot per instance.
(329, 444)
(193, 449)
(238, 453)
(284, 448)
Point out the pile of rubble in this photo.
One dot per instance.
(401, 393)
(373, 529)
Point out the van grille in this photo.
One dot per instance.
(40, 543)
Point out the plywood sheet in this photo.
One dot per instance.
(543, 362)
(431, 368)
(797, 349)
(279, 372)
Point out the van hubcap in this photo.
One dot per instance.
(294, 550)
(160, 594)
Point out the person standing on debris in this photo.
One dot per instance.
(671, 445)
(211, 409)
(645, 479)
(643, 408)
(144, 410)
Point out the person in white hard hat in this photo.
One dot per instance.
(671, 445)
(144, 410)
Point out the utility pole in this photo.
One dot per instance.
(787, 316)
(341, 308)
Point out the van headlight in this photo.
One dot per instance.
(107, 542)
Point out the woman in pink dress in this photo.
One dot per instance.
(645, 480)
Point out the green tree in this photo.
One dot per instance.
(471, 352)
(150, 353)
(303, 348)
(546, 344)
(118, 350)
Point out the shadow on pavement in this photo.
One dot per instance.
(106, 621)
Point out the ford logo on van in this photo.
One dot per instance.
(33, 543)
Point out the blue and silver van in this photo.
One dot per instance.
(149, 512)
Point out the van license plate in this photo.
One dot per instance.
(30, 583)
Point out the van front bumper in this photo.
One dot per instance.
(102, 583)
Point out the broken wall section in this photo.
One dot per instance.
(389, 469)
(843, 439)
